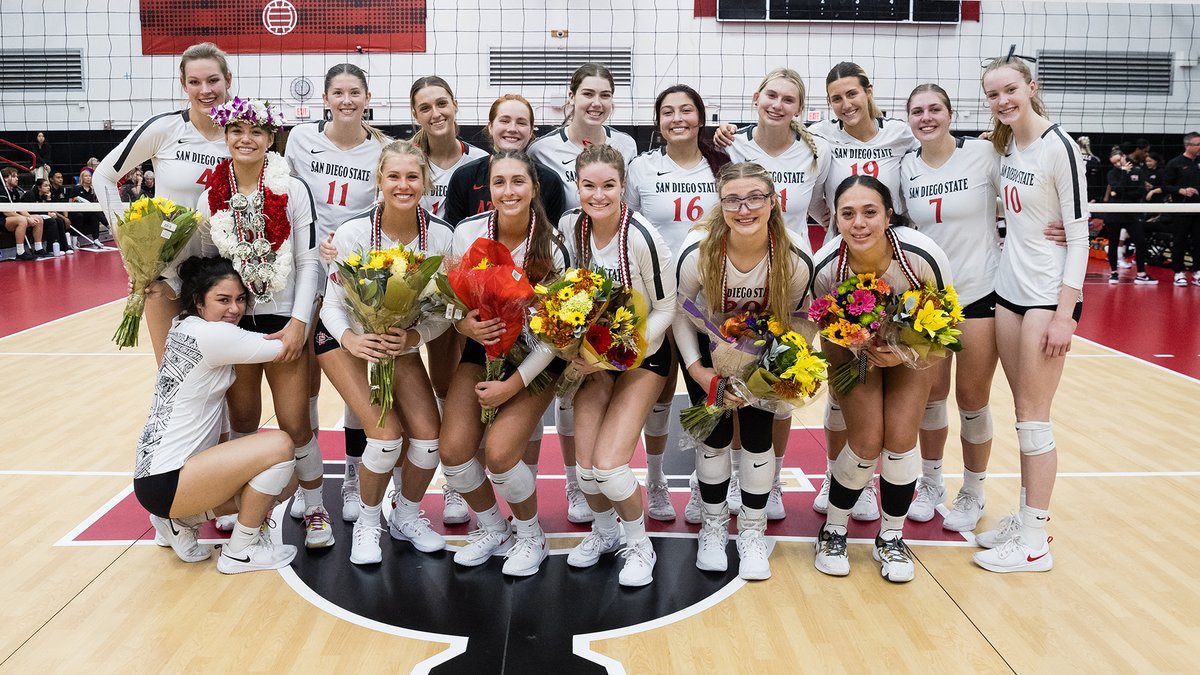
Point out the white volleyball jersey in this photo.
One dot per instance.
(926, 258)
(189, 391)
(955, 206)
(342, 182)
(879, 157)
(1040, 184)
(744, 291)
(670, 197)
(799, 180)
(556, 151)
(355, 235)
(433, 201)
(182, 158)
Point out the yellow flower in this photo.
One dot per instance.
(866, 282)
(575, 275)
(540, 289)
(353, 260)
(793, 338)
(573, 318)
(564, 294)
(776, 327)
(956, 313)
(535, 324)
(929, 319)
(164, 205)
(483, 264)
(362, 282)
(377, 261)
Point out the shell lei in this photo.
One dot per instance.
(264, 270)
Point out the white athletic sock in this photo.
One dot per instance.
(241, 537)
(973, 482)
(371, 514)
(491, 518)
(778, 468)
(735, 459)
(1033, 526)
(1022, 496)
(892, 526)
(635, 530)
(836, 519)
(753, 514)
(654, 469)
(829, 465)
(607, 521)
(312, 498)
(571, 472)
(527, 528)
(37, 245)
(20, 249)
(931, 469)
(408, 510)
(397, 477)
(715, 510)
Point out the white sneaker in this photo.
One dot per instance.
(965, 513)
(1007, 529)
(351, 500)
(417, 530)
(594, 545)
(526, 555)
(1196, 278)
(734, 497)
(318, 531)
(711, 544)
(261, 554)
(658, 501)
(775, 510)
(752, 550)
(482, 544)
(929, 496)
(693, 513)
(181, 538)
(638, 569)
(1123, 263)
(821, 503)
(895, 558)
(578, 510)
(296, 510)
(833, 557)
(364, 548)
(1145, 279)
(1181, 279)
(1014, 555)
(866, 508)
(454, 511)
(225, 523)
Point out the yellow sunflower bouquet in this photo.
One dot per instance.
(922, 323)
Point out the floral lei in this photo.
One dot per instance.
(254, 231)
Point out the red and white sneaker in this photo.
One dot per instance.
(1014, 555)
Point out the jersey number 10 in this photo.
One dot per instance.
(1012, 199)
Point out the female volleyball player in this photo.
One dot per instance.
(740, 258)
(434, 112)
(610, 407)
(184, 146)
(183, 476)
(673, 186)
(336, 159)
(883, 414)
(520, 223)
(949, 189)
(1039, 298)
(262, 218)
(403, 177)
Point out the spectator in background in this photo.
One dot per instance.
(87, 222)
(20, 223)
(43, 157)
(131, 188)
(1181, 182)
(1126, 186)
(90, 167)
(58, 190)
(1093, 170)
(54, 222)
(148, 184)
(1154, 191)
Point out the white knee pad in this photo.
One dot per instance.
(1035, 438)
(757, 472)
(853, 471)
(976, 425)
(314, 418)
(309, 465)
(900, 468)
(564, 417)
(350, 420)
(275, 479)
(587, 481)
(712, 465)
(658, 422)
(515, 485)
(423, 454)
(833, 416)
(381, 456)
(617, 484)
(935, 416)
(466, 477)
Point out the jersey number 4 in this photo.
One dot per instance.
(203, 179)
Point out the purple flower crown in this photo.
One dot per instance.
(256, 113)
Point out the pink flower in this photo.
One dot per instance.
(819, 307)
(860, 302)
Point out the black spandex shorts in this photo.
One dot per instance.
(473, 352)
(264, 323)
(323, 341)
(659, 362)
(156, 493)
(1021, 309)
(983, 308)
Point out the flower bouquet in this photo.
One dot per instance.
(922, 325)
(386, 288)
(789, 374)
(150, 234)
(487, 279)
(563, 312)
(736, 345)
(851, 317)
(616, 340)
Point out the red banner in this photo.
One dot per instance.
(273, 26)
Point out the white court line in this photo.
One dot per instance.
(37, 472)
(96, 515)
(1151, 364)
(61, 318)
(1095, 356)
(76, 353)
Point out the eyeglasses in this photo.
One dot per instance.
(754, 201)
